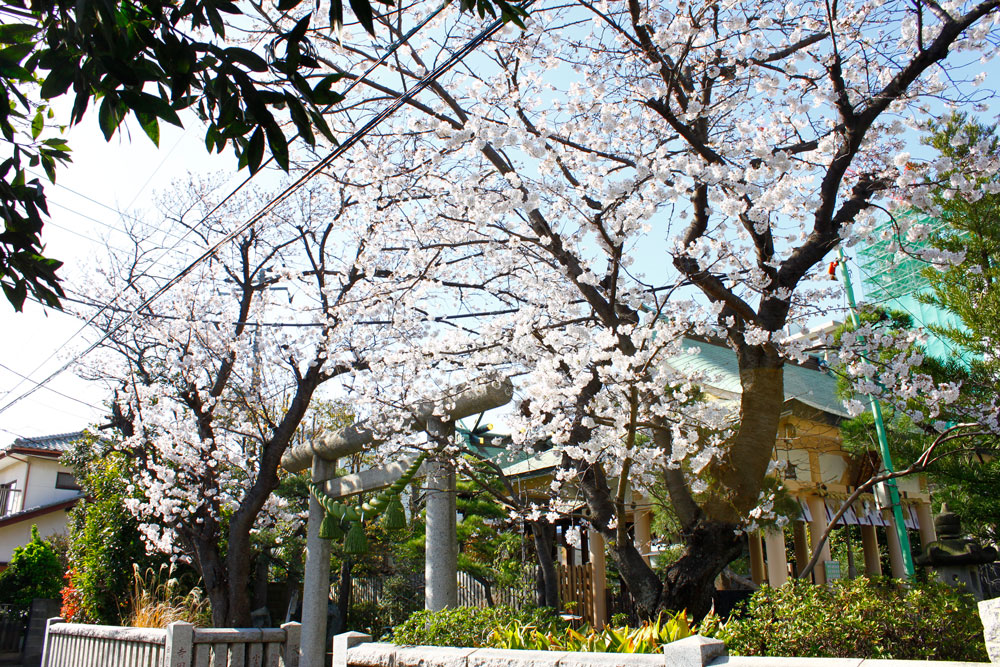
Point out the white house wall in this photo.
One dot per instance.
(42, 483)
(14, 535)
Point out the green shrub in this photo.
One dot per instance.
(105, 544)
(469, 626)
(857, 618)
(34, 572)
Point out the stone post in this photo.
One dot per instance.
(179, 650)
(316, 581)
(441, 544)
(342, 643)
(989, 613)
(293, 638)
(777, 560)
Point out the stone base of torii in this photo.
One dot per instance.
(440, 574)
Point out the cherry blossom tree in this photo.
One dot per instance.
(628, 173)
(216, 376)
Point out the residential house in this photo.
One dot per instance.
(35, 489)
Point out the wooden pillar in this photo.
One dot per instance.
(817, 507)
(869, 543)
(756, 557)
(801, 545)
(777, 560)
(316, 580)
(892, 541)
(642, 520)
(599, 585)
(926, 524)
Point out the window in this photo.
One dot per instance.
(65, 480)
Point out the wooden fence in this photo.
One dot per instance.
(365, 590)
(576, 585)
(179, 645)
(471, 593)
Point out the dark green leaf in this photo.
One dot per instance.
(278, 144)
(150, 126)
(49, 165)
(320, 124)
(255, 150)
(247, 58)
(151, 104)
(218, 27)
(299, 31)
(107, 117)
(301, 120)
(37, 125)
(363, 10)
(285, 5)
(337, 13)
(15, 33)
(15, 294)
(322, 95)
(13, 55)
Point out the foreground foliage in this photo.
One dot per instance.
(105, 543)
(34, 572)
(539, 629)
(857, 618)
(649, 637)
(471, 626)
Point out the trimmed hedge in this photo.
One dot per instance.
(859, 618)
(467, 626)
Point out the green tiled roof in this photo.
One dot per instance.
(815, 388)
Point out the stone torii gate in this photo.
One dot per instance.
(440, 573)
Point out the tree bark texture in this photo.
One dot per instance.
(548, 590)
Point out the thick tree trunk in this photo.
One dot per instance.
(738, 475)
(261, 573)
(238, 579)
(214, 579)
(709, 548)
(548, 591)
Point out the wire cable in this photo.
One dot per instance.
(389, 52)
(402, 99)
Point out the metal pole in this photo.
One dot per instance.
(883, 440)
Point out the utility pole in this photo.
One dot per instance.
(883, 440)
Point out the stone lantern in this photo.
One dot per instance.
(955, 557)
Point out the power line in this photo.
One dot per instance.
(429, 78)
(54, 391)
(392, 49)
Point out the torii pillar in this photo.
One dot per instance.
(441, 543)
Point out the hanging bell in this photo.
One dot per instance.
(330, 528)
(356, 542)
(395, 517)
